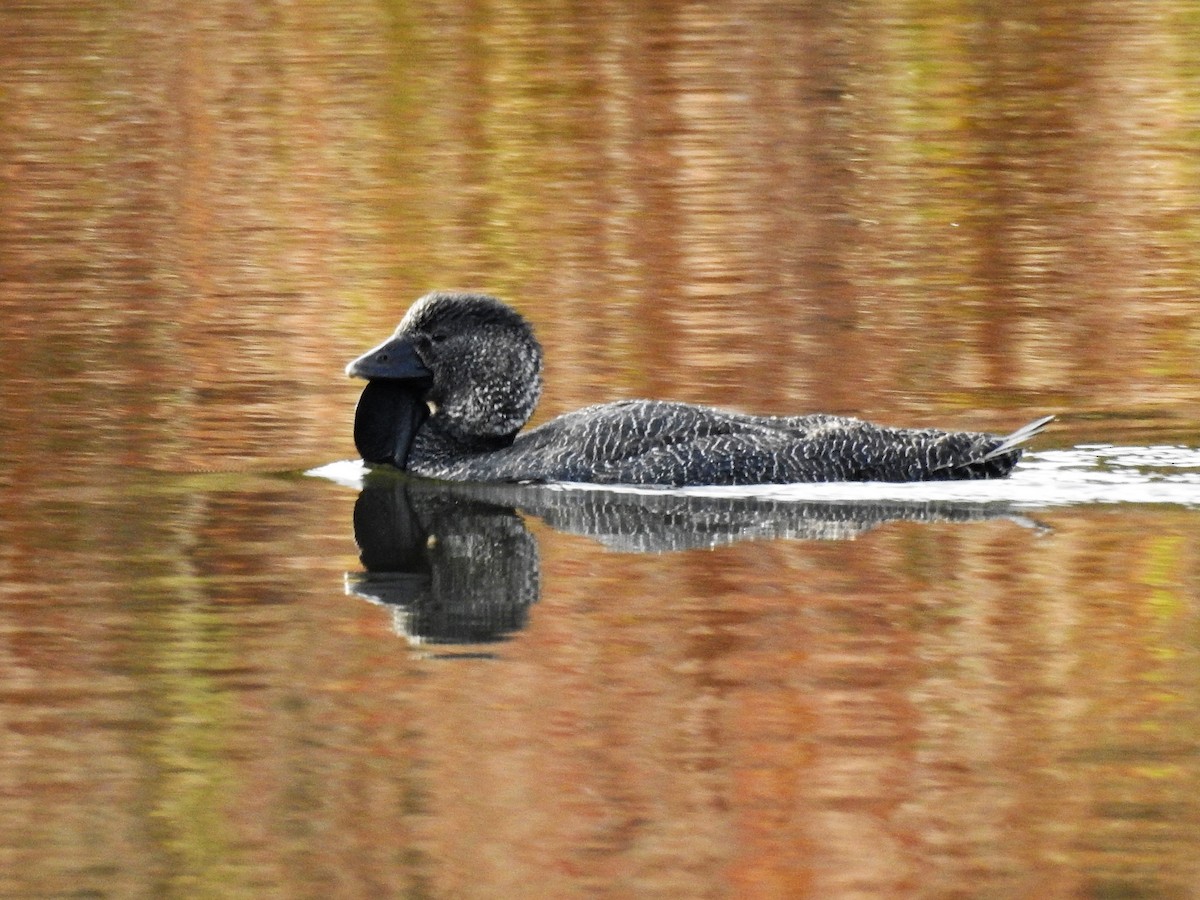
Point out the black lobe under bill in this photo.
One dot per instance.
(387, 418)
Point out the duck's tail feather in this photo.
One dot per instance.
(1018, 437)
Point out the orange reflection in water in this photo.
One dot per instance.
(953, 214)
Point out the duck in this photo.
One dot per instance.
(449, 394)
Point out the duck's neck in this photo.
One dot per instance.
(436, 445)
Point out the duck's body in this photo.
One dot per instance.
(647, 442)
(450, 391)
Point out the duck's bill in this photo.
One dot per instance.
(394, 358)
(389, 413)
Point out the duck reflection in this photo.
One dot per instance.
(457, 565)
(454, 569)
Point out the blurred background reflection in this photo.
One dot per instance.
(925, 213)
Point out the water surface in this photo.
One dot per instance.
(220, 676)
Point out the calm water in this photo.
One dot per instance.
(221, 676)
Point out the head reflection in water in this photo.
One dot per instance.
(453, 569)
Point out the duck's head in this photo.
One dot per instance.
(466, 362)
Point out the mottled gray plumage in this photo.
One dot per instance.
(477, 366)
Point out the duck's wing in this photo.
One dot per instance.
(658, 443)
(651, 442)
(630, 442)
(746, 457)
(822, 448)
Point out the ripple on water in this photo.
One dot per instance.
(1091, 473)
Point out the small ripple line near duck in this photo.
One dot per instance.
(448, 394)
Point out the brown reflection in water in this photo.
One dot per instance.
(929, 217)
(798, 720)
(886, 219)
(926, 213)
(177, 720)
(180, 234)
(191, 706)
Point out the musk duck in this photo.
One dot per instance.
(448, 394)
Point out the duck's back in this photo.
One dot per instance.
(646, 442)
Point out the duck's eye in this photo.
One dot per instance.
(437, 337)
